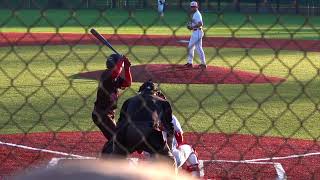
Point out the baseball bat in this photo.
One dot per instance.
(102, 40)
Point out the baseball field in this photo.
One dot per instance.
(252, 114)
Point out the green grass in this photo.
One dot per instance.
(147, 22)
(38, 94)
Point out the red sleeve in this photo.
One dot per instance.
(118, 68)
(128, 78)
(179, 138)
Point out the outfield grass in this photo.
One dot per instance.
(147, 22)
(44, 96)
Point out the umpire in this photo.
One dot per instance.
(141, 122)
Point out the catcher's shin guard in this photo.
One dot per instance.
(193, 158)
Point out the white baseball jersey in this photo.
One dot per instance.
(196, 18)
(183, 153)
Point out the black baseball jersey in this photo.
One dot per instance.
(147, 110)
(108, 92)
(142, 120)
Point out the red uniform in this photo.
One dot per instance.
(108, 92)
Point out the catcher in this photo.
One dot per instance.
(108, 92)
(183, 153)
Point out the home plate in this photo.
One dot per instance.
(60, 161)
(183, 41)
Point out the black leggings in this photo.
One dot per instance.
(105, 122)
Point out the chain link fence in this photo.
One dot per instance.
(253, 113)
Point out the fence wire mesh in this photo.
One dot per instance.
(252, 112)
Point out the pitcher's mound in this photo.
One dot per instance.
(178, 74)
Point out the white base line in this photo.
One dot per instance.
(244, 161)
(183, 41)
(280, 171)
(201, 167)
(54, 161)
(278, 166)
(43, 150)
(284, 157)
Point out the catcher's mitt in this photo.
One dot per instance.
(189, 25)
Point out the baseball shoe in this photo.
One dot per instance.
(203, 66)
(188, 65)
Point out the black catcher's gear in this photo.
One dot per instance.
(148, 86)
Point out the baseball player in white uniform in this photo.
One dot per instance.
(195, 41)
(183, 153)
(161, 7)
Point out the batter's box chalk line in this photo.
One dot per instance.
(281, 174)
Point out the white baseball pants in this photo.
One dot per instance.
(196, 43)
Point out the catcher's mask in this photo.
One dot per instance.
(112, 60)
(148, 86)
(161, 95)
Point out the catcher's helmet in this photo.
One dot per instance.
(147, 86)
(112, 60)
